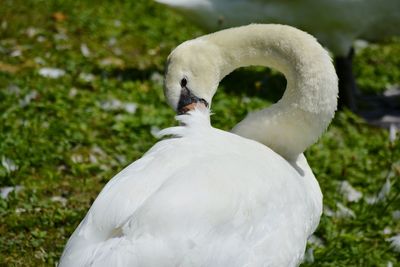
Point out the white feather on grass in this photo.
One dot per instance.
(395, 242)
(349, 192)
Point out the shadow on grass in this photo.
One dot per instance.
(255, 82)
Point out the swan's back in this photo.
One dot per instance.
(205, 198)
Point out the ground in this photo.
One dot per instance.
(81, 97)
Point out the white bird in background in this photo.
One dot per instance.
(336, 24)
(213, 198)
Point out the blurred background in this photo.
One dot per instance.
(81, 97)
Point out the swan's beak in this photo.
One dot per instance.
(189, 101)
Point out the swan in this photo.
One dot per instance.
(207, 197)
(336, 24)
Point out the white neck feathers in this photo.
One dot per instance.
(309, 102)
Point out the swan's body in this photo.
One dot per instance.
(189, 202)
(213, 198)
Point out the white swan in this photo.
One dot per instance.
(210, 197)
(336, 24)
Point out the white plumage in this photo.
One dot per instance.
(207, 197)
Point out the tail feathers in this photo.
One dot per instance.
(119, 252)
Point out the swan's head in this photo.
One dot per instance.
(192, 75)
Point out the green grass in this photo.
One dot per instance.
(66, 143)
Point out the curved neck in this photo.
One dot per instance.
(309, 102)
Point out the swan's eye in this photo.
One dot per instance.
(183, 82)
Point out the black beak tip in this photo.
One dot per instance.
(185, 107)
(186, 99)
